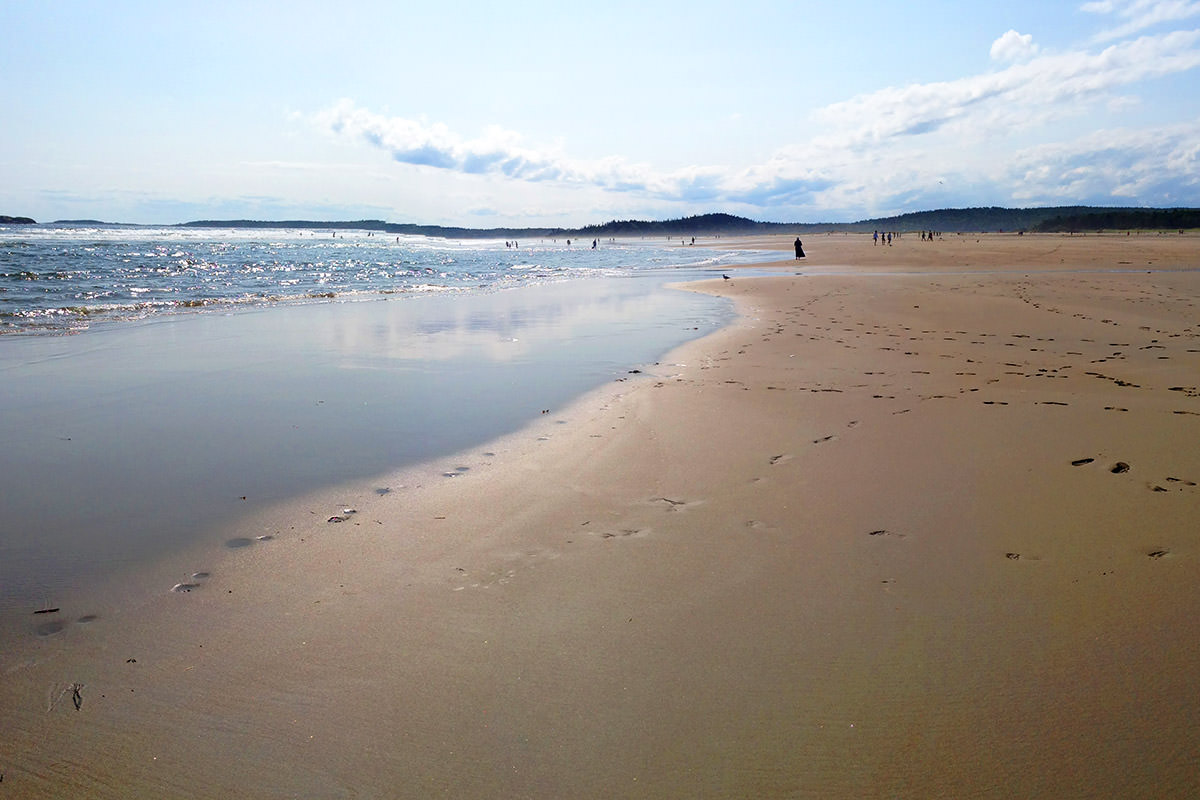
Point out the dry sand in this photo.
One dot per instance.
(871, 541)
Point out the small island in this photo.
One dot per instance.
(7, 220)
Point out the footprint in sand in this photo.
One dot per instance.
(190, 585)
(1159, 553)
(1079, 462)
(49, 628)
(623, 533)
(671, 504)
(779, 459)
(345, 515)
(1119, 468)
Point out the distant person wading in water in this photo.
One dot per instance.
(799, 248)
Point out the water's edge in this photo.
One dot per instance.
(149, 435)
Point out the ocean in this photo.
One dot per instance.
(66, 278)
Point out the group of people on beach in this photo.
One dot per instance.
(885, 237)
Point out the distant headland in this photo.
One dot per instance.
(1052, 219)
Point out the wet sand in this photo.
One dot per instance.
(923, 523)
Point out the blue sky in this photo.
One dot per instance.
(552, 113)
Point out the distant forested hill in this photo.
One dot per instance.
(1052, 219)
(377, 225)
(693, 226)
(703, 224)
(946, 220)
(975, 220)
(1124, 219)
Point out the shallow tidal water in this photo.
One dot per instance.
(131, 440)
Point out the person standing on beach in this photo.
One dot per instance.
(799, 248)
(875, 238)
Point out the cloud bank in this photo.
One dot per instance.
(1041, 128)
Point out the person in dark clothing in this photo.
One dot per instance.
(799, 248)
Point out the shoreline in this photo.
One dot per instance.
(144, 436)
(841, 547)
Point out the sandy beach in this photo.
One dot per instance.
(924, 522)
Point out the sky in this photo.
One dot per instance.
(564, 114)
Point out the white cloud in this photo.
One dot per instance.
(1155, 167)
(496, 151)
(500, 152)
(1138, 15)
(911, 144)
(1045, 87)
(1013, 46)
